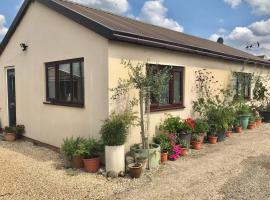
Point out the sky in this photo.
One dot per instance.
(239, 22)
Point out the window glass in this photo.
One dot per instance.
(172, 96)
(165, 96)
(176, 87)
(64, 82)
(77, 82)
(51, 82)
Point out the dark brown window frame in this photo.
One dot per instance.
(56, 101)
(171, 106)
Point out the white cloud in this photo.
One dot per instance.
(154, 12)
(261, 27)
(233, 3)
(115, 6)
(240, 37)
(260, 7)
(3, 29)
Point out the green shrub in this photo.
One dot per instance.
(70, 146)
(114, 130)
(201, 126)
(90, 148)
(10, 129)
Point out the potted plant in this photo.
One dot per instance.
(135, 169)
(196, 141)
(252, 123)
(149, 85)
(184, 147)
(201, 128)
(164, 141)
(91, 150)
(20, 130)
(71, 152)
(10, 133)
(228, 133)
(114, 135)
(212, 138)
(243, 111)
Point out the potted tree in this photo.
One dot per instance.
(196, 141)
(91, 150)
(10, 133)
(147, 84)
(114, 135)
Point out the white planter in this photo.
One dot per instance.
(115, 158)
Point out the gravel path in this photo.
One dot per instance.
(237, 169)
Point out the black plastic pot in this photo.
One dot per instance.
(184, 136)
(266, 116)
(221, 137)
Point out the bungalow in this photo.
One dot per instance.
(59, 59)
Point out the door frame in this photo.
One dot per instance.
(7, 100)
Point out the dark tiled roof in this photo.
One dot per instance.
(120, 28)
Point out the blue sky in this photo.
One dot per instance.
(238, 21)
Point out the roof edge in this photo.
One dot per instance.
(183, 48)
(14, 25)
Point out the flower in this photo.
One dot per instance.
(190, 122)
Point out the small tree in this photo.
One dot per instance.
(151, 82)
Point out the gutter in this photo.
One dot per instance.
(185, 49)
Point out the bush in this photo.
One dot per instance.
(114, 129)
(201, 126)
(70, 146)
(90, 148)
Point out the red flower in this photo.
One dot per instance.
(190, 122)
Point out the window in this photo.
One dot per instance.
(173, 96)
(64, 82)
(243, 85)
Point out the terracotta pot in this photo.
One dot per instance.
(258, 122)
(77, 162)
(202, 137)
(228, 134)
(91, 165)
(10, 137)
(252, 125)
(212, 139)
(135, 170)
(196, 145)
(239, 129)
(184, 151)
(164, 157)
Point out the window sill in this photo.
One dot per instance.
(166, 108)
(64, 104)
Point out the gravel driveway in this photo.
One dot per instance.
(236, 169)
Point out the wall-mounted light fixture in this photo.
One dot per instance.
(24, 46)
